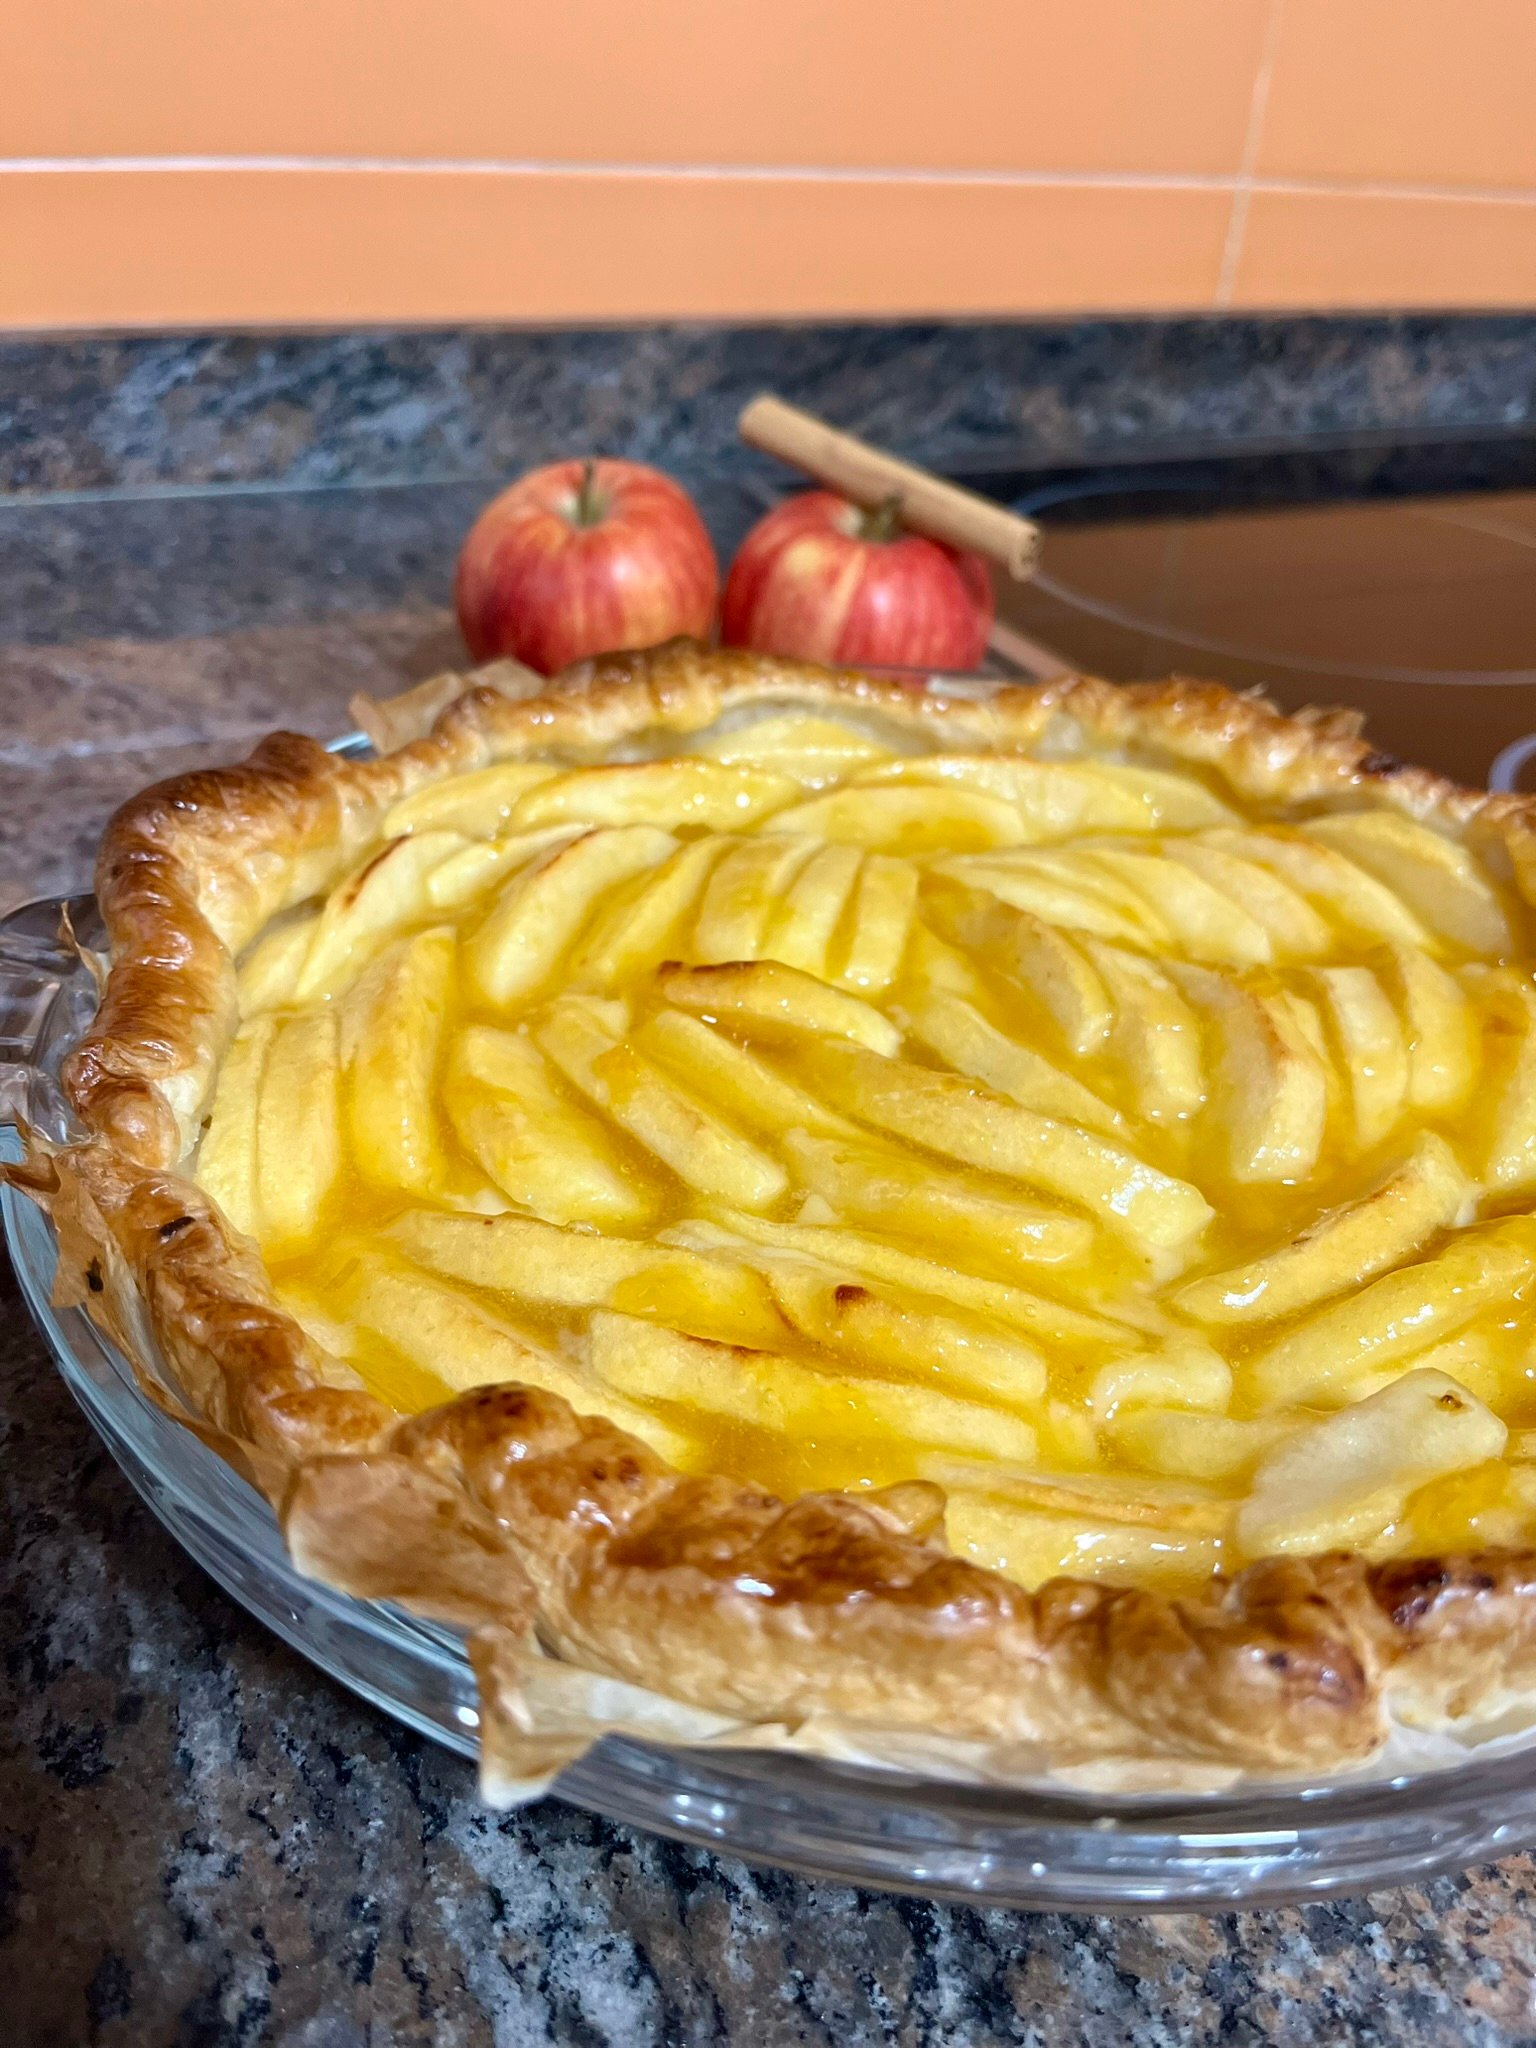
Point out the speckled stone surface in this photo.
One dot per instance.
(203, 1841)
(182, 410)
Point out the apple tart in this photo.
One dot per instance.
(1007, 1216)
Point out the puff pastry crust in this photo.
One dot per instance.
(506, 1512)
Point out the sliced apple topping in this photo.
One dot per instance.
(765, 999)
(1205, 922)
(648, 919)
(540, 1147)
(1360, 908)
(1392, 1319)
(298, 1128)
(384, 896)
(926, 820)
(1341, 1481)
(1144, 1169)
(226, 1158)
(1508, 1119)
(810, 750)
(1439, 881)
(1369, 1046)
(523, 940)
(479, 803)
(393, 1025)
(885, 1189)
(801, 931)
(1268, 1098)
(710, 794)
(743, 892)
(964, 1121)
(958, 1034)
(884, 900)
(1344, 1247)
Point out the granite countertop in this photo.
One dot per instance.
(202, 1840)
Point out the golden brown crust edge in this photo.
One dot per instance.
(503, 1510)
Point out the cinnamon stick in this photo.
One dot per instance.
(869, 477)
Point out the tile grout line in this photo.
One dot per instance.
(1242, 197)
(1239, 184)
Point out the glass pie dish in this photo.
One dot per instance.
(1051, 1846)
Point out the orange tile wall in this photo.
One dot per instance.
(186, 162)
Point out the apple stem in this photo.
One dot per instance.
(884, 522)
(589, 506)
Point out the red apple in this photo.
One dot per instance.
(820, 579)
(583, 558)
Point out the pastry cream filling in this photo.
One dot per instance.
(1152, 1175)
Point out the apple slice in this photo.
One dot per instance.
(446, 1333)
(1184, 1372)
(269, 971)
(1052, 967)
(537, 1146)
(1064, 799)
(1052, 799)
(1295, 929)
(1268, 1096)
(1127, 1498)
(750, 1091)
(893, 1191)
(392, 1024)
(705, 795)
(298, 1129)
(905, 1339)
(743, 895)
(1344, 1248)
(1322, 1358)
(1440, 1028)
(883, 903)
(1369, 1047)
(772, 1392)
(802, 933)
(965, 1121)
(1205, 923)
(809, 749)
(931, 964)
(520, 1256)
(1048, 1322)
(1509, 1075)
(386, 894)
(1177, 801)
(1440, 881)
(525, 936)
(707, 1153)
(1155, 1036)
(962, 1037)
(1342, 1480)
(646, 920)
(1057, 896)
(226, 1158)
(1354, 901)
(909, 821)
(577, 1270)
(475, 869)
(765, 999)
(1182, 1444)
(480, 803)
(1033, 1544)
